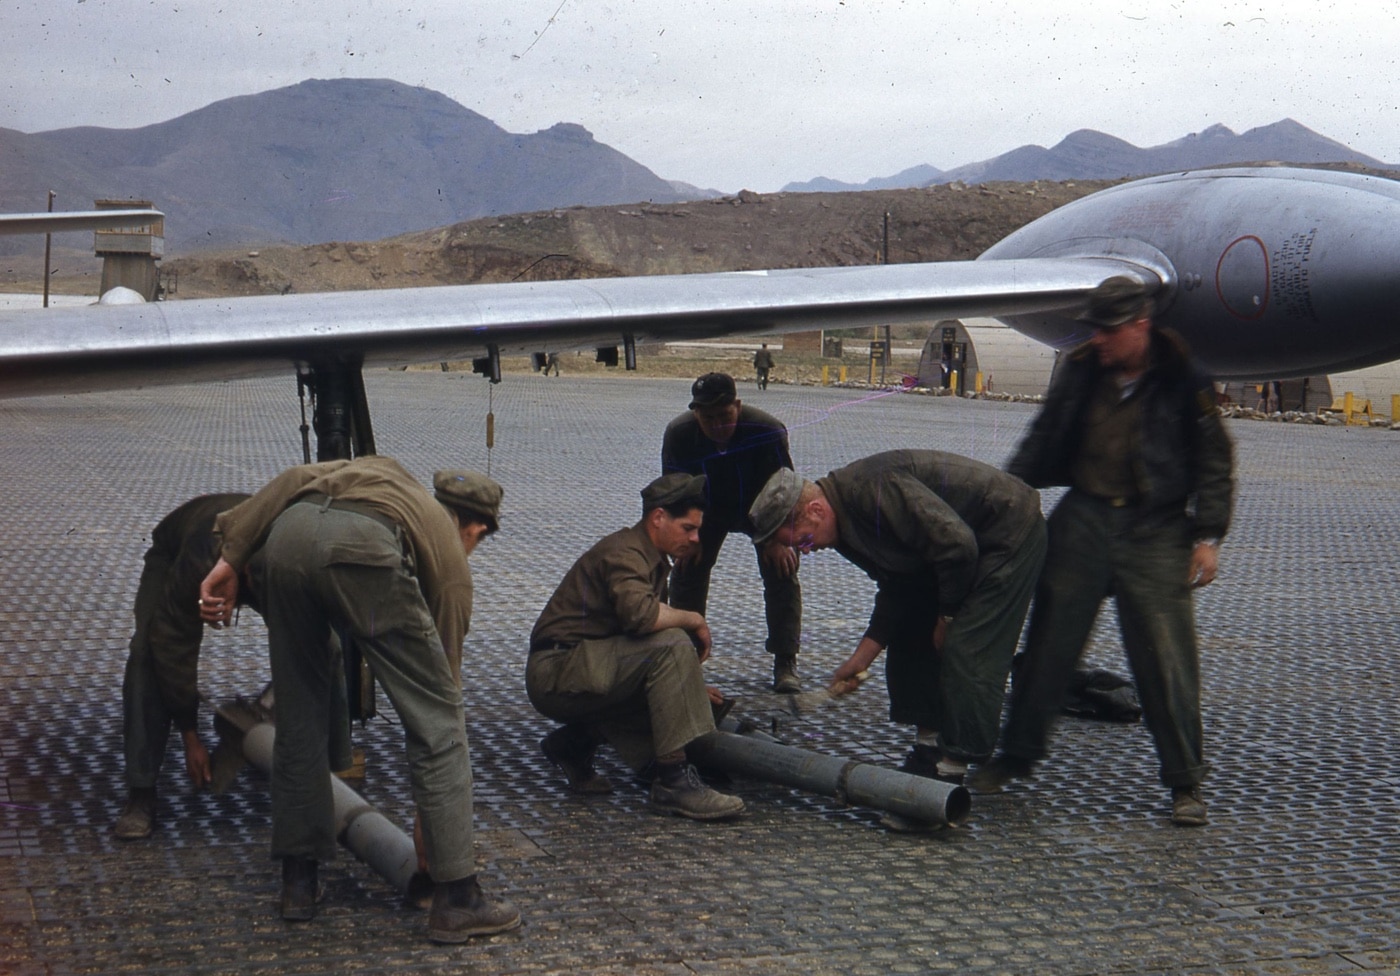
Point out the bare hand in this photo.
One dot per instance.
(197, 761)
(1205, 565)
(218, 594)
(701, 636)
(844, 686)
(860, 660)
(420, 847)
(778, 557)
(716, 696)
(940, 632)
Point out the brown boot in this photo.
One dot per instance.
(301, 889)
(138, 817)
(571, 748)
(785, 678)
(1188, 807)
(462, 910)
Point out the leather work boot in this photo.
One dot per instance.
(785, 679)
(572, 751)
(678, 790)
(462, 910)
(301, 889)
(923, 761)
(1188, 808)
(138, 817)
(991, 776)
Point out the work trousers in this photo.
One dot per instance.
(335, 570)
(959, 691)
(782, 595)
(165, 613)
(645, 695)
(1141, 559)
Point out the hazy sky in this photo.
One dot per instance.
(728, 95)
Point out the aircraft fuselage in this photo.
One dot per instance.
(1267, 272)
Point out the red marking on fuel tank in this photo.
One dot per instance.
(1242, 278)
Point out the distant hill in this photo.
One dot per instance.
(1091, 155)
(915, 176)
(347, 159)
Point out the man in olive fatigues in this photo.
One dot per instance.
(954, 546)
(737, 448)
(613, 661)
(1132, 426)
(762, 364)
(162, 669)
(360, 548)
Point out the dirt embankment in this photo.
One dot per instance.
(940, 223)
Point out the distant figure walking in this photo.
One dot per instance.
(762, 363)
(551, 362)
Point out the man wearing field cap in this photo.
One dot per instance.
(1131, 425)
(737, 448)
(614, 662)
(954, 547)
(361, 549)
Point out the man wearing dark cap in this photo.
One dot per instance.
(360, 548)
(954, 547)
(160, 687)
(737, 449)
(1131, 425)
(613, 661)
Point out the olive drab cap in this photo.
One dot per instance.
(775, 503)
(472, 492)
(1116, 301)
(713, 390)
(671, 489)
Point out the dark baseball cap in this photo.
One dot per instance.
(712, 390)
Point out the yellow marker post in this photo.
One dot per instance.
(826, 375)
(843, 374)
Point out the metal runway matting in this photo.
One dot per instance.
(1077, 871)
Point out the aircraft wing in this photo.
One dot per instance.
(73, 350)
(58, 223)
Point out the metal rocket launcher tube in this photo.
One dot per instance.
(912, 797)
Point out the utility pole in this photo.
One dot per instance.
(48, 250)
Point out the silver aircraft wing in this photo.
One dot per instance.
(73, 350)
(62, 222)
(1267, 272)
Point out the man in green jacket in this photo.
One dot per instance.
(1131, 425)
(361, 549)
(160, 687)
(954, 546)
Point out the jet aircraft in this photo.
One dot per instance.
(1266, 271)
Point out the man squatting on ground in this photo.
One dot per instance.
(612, 661)
(1131, 425)
(737, 449)
(954, 547)
(162, 670)
(359, 548)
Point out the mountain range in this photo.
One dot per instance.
(365, 159)
(348, 160)
(1087, 154)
